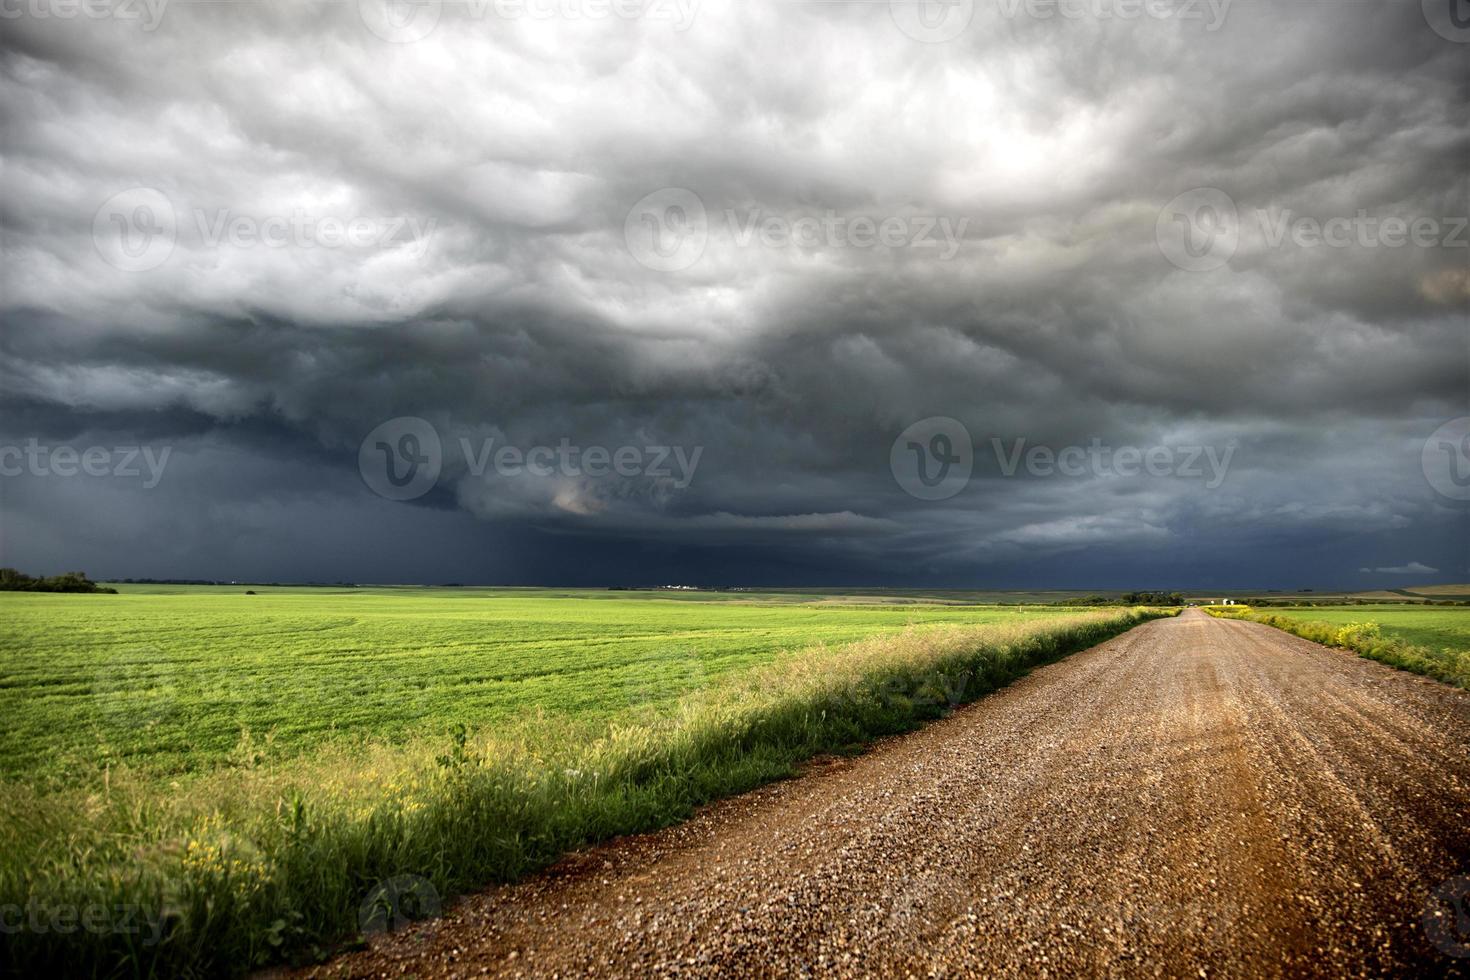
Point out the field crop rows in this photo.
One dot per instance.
(177, 680)
(455, 737)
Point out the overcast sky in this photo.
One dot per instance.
(991, 294)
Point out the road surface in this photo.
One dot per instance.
(1195, 798)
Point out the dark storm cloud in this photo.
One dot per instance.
(497, 287)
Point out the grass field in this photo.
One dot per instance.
(171, 679)
(1429, 640)
(219, 781)
(1431, 626)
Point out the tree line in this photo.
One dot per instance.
(12, 580)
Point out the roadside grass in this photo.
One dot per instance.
(248, 866)
(1423, 626)
(1379, 634)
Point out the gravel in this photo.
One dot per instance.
(1195, 798)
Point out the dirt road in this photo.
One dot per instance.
(1194, 798)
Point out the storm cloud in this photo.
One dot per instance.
(1188, 281)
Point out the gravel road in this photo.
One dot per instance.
(1195, 798)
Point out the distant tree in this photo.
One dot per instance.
(1153, 599)
(12, 580)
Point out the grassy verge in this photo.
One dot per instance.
(245, 867)
(1366, 639)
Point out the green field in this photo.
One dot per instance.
(1426, 626)
(170, 679)
(1429, 640)
(219, 781)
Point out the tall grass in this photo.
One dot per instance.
(1366, 639)
(250, 866)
